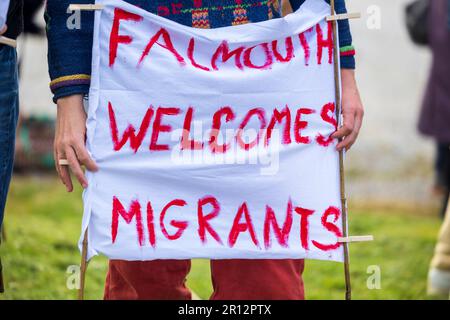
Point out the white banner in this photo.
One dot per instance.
(212, 143)
(4, 5)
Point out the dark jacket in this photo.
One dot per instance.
(69, 51)
(435, 116)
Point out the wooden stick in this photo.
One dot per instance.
(8, 41)
(83, 266)
(2, 285)
(348, 287)
(3, 233)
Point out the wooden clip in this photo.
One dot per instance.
(355, 239)
(85, 7)
(344, 16)
(8, 42)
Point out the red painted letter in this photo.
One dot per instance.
(259, 112)
(278, 117)
(168, 45)
(282, 234)
(217, 118)
(203, 220)
(186, 142)
(224, 50)
(238, 227)
(191, 50)
(180, 225)
(135, 211)
(115, 38)
(248, 59)
(305, 45)
(325, 115)
(330, 226)
(289, 50)
(299, 125)
(151, 225)
(158, 127)
(129, 133)
(304, 225)
(324, 43)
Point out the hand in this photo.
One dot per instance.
(70, 140)
(352, 111)
(3, 30)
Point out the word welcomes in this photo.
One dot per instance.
(289, 122)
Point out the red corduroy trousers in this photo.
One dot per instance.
(231, 280)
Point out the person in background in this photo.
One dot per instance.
(70, 74)
(435, 122)
(435, 115)
(10, 27)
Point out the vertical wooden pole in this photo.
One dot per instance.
(348, 288)
(83, 266)
(2, 285)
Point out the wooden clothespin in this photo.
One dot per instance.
(355, 239)
(344, 16)
(85, 7)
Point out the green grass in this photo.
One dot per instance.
(43, 225)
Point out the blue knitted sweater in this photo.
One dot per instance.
(69, 51)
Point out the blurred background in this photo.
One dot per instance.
(390, 180)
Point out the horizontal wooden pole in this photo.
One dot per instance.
(8, 42)
(355, 239)
(85, 7)
(344, 16)
(92, 7)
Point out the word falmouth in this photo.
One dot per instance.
(242, 56)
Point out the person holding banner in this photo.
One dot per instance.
(71, 75)
(10, 27)
(434, 122)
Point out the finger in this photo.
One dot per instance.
(359, 120)
(76, 167)
(58, 167)
(348, 141)
(56, 147)
(64, 173)
(55, 159)
(347, 127)
(84, 157)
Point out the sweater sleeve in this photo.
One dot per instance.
(69, 48)
(347, 50)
